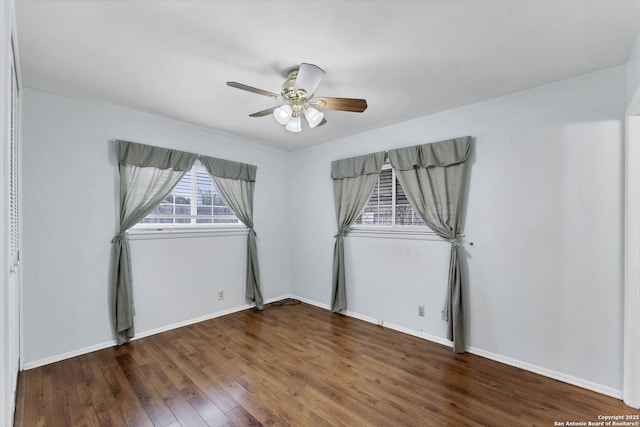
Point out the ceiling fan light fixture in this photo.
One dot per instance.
(294, 125)
(313, 116)
(308, 78)
(297, 93)
(283, 114)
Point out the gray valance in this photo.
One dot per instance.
(230, 170)
(443, 153)
(131, 153)
(358, 166)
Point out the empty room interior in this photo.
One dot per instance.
(304, 213)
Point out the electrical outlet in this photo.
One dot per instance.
(220, 295)
(421, 310)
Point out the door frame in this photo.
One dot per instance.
(631, 352)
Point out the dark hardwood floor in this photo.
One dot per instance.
(295, 365)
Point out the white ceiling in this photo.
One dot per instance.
(407, 58)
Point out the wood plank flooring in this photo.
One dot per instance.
(295, 365)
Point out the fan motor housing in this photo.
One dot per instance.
(296, 97)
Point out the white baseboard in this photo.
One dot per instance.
(204, 318)
(68, 355)
(143, 334)
(310, 302)
(412, 332)
(565, 378)
(589, 385)
(569, 379)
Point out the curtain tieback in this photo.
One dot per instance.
(341, 233)
(455, 242)
(252, 231)
(121, 235)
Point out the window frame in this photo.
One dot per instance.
(173, 230)
(393, 231)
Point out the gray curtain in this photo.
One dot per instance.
(433, 176)
(235, 182)
(147, 175)
(353, 182)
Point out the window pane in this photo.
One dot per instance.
(401, 198)
(204, 188)
(222, 211)
(164, 209)
(183, 210)
(204, 197)
(385, 215)
(368, 216)
(385, 188)
(380, 208)
(222, 220)
(194, 200)
(404, 215)
(182, 192)
(205, 210)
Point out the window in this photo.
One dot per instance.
(388, 205)
(194, 201)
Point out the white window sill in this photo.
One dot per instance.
(158, 232)
(406, 233)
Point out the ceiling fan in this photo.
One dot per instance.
(297, 93)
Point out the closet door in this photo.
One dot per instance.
(14, 239)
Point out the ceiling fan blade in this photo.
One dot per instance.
(309, 77)
(254, 90)
(263, 112)
(343, 104)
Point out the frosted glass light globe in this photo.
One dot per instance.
(283, 114)
(313, 116)
(294, 125)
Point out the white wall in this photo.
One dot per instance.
(545, 215)
(70, 217)
(633, 71)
